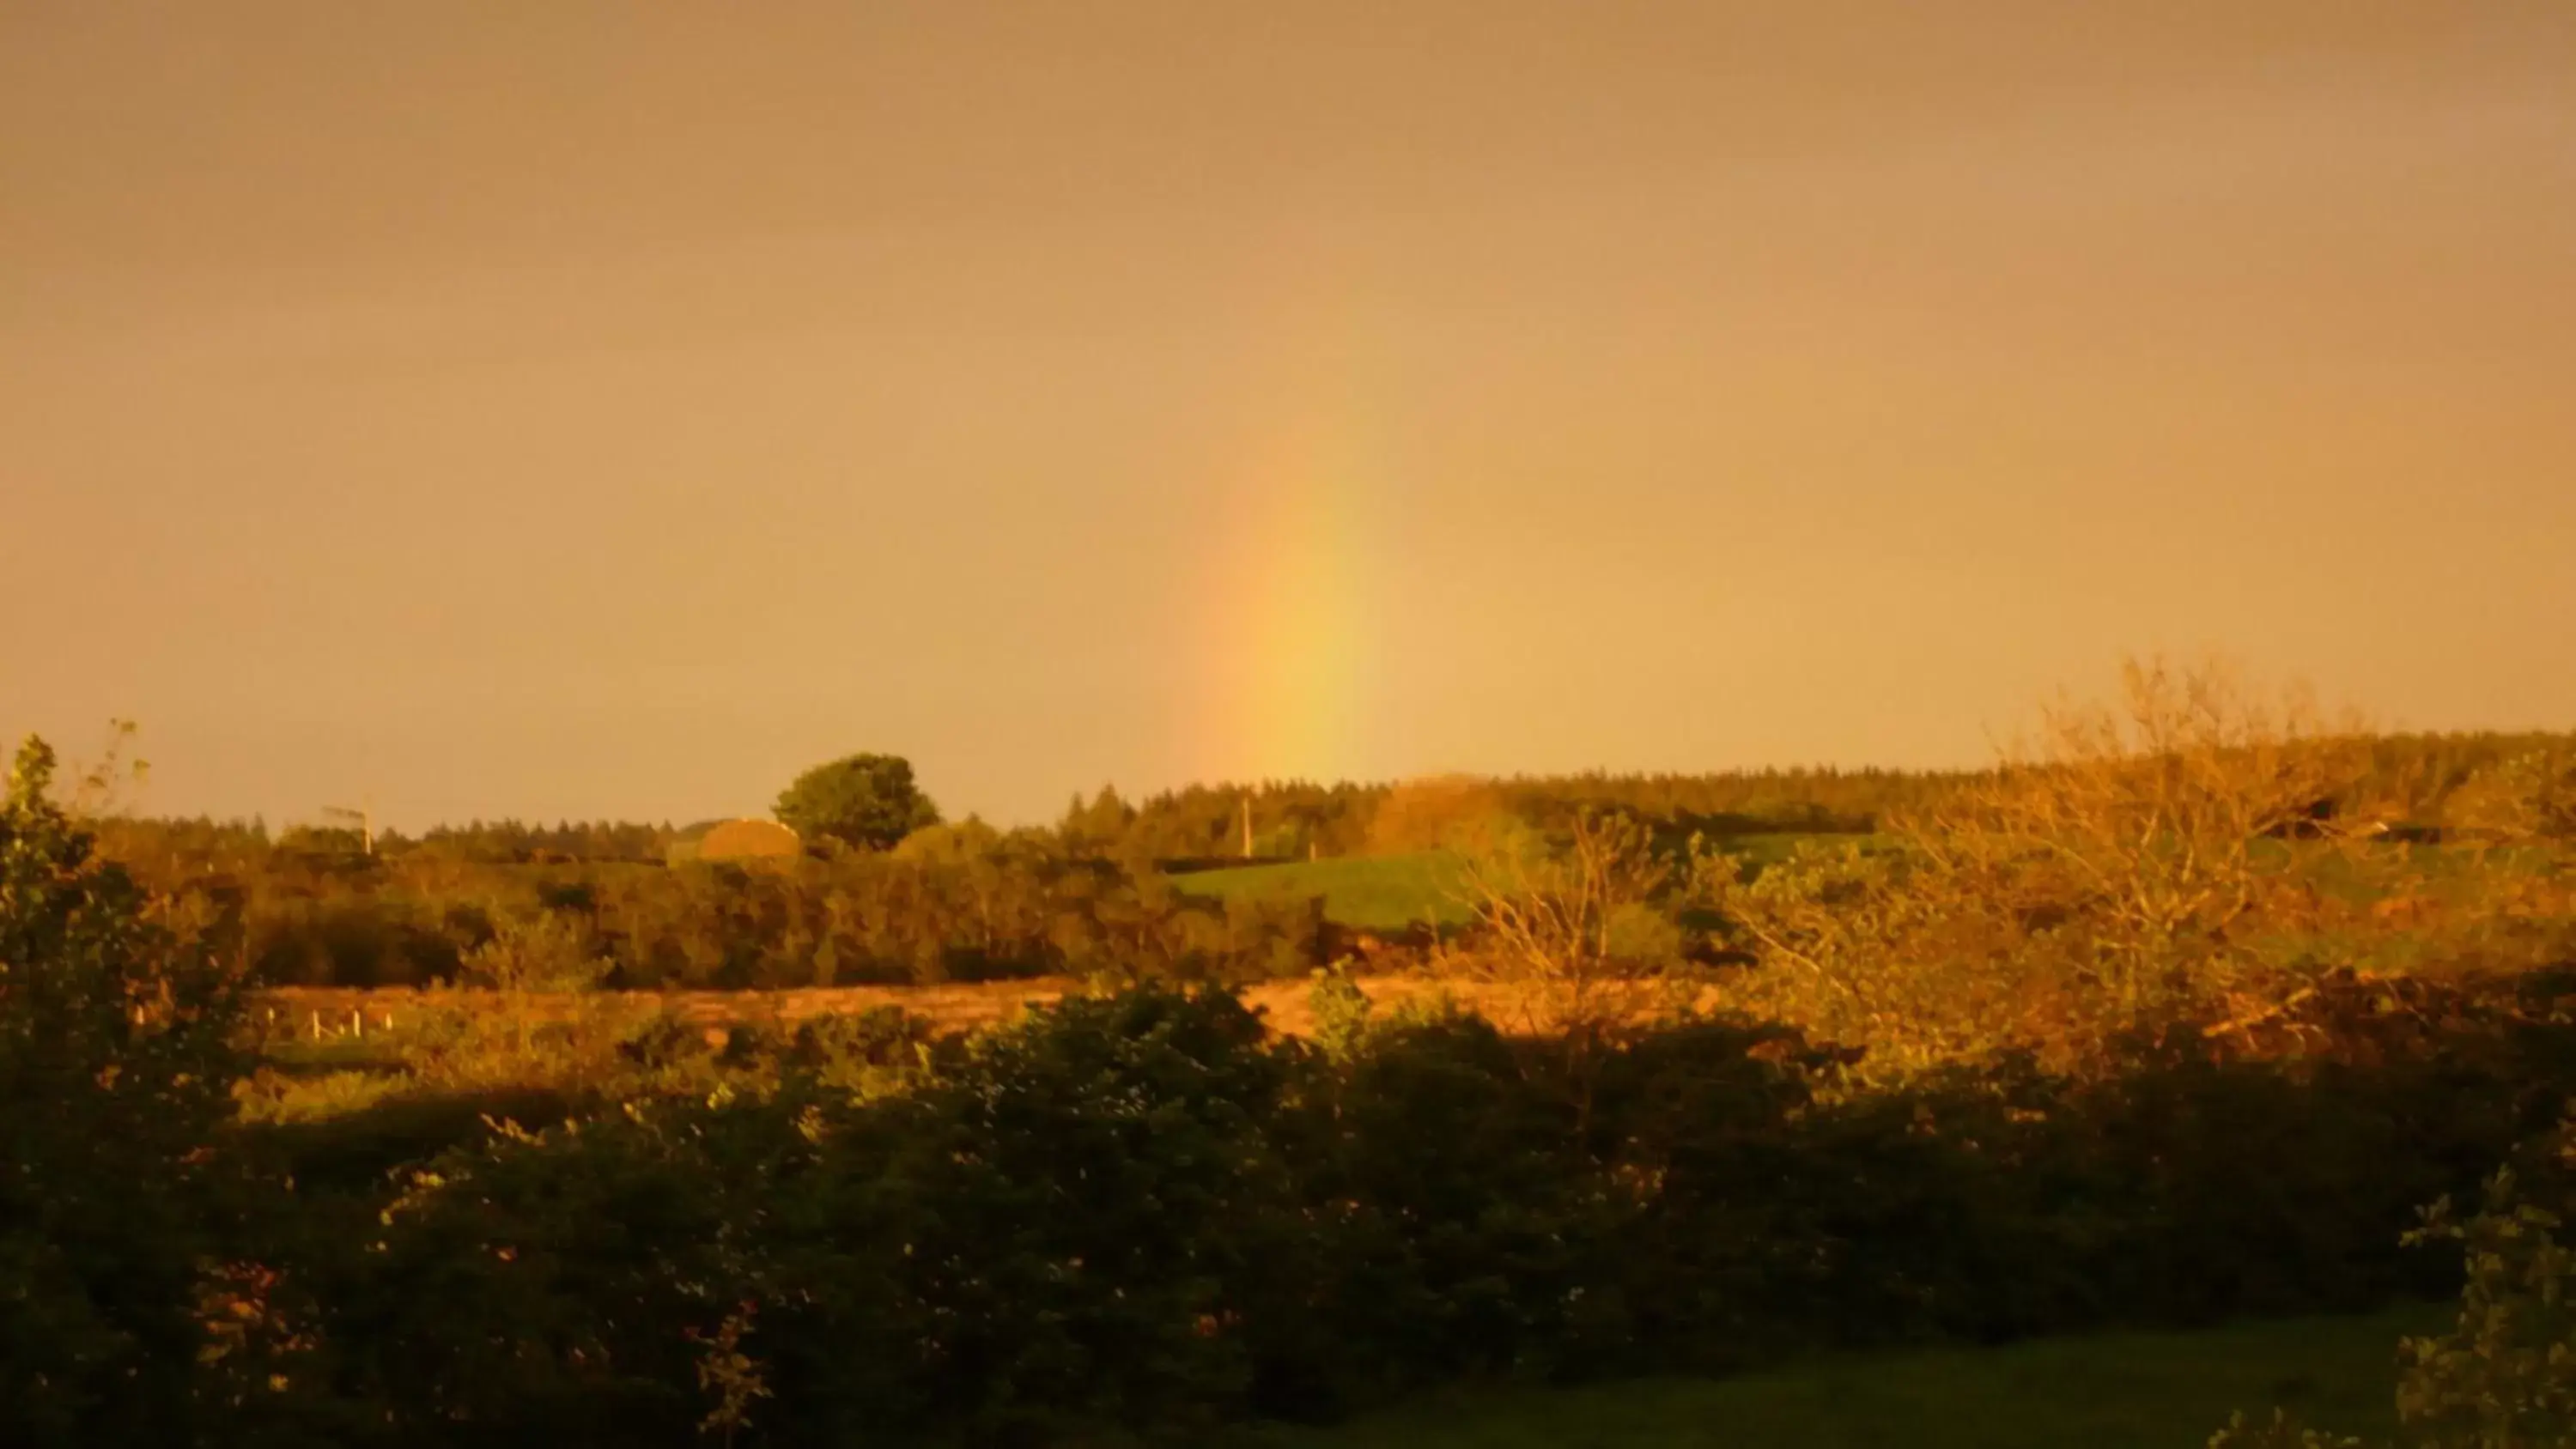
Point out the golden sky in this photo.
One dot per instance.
(601, 409)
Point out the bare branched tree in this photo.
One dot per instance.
(2160, 822)
(2145, 857)
(1574, 927)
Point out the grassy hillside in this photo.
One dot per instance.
(1390, 892)
(2120, 1391)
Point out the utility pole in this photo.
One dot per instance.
(1247, 825)
(364, 817)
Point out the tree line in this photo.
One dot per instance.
(1141, 1214)
(2155, 1027)
(904, 901)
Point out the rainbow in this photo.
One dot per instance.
(1291, 682)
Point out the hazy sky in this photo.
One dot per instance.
(607, 409)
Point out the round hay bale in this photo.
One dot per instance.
(749, 840)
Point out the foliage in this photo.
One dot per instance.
(1200, 825)
(1369, 892)
(1580, 926)
(967, 902)
(2149, 1027)
(2525, 796)
(2504, 1377)
(952, 903)
(115, 1061)
(1433, 814)
(511, 842)
(1141, 1212)
(550, 951)
(2178, 855)
(2507, 1373)
(869, 801)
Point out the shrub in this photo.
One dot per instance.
(2505, 1376)
(115, 1069)
(551, 951)
(2169, 857)
(1139, 1212)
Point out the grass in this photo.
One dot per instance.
(1391, 892)
(2118, 1391)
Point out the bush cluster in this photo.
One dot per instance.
(1001, 910)
(1141, 1213)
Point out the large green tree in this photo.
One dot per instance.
(863, 800)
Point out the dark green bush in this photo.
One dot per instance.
(1139, 1213)
(115, 1061)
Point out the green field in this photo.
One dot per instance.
(1390, 892)
(2121, 1391)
